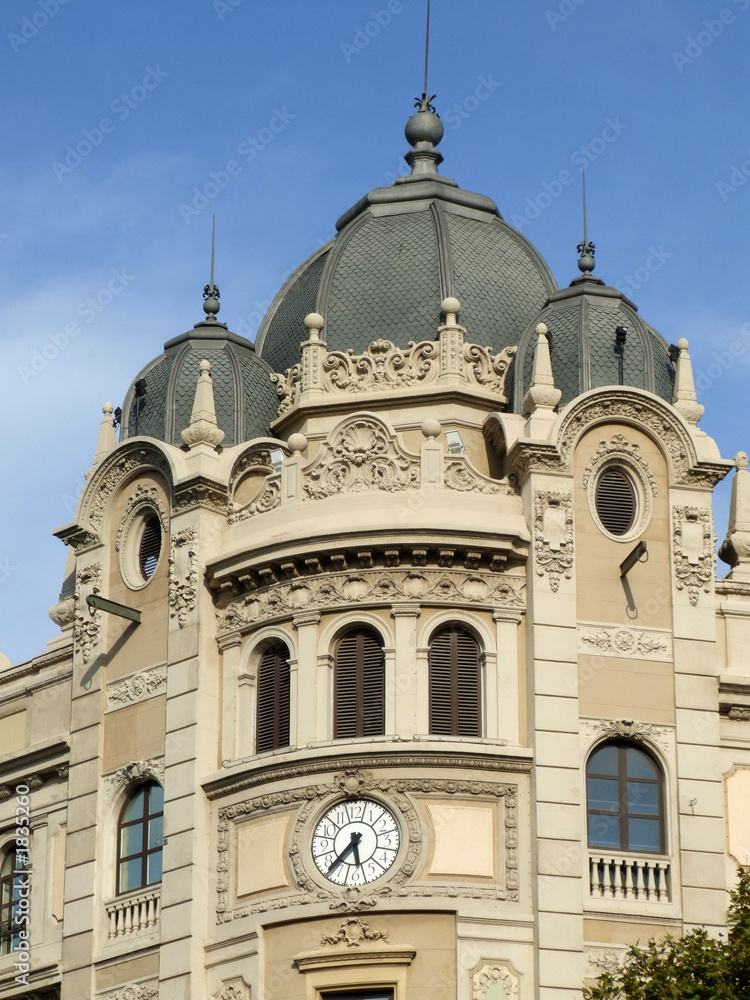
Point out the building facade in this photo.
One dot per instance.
(393, 661)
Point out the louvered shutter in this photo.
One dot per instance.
(359, 686)
(616, 501)
(272, 725)
(149, 549)
(455, 683)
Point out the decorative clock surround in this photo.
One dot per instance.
(403, 877)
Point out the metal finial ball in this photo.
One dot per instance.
(211, 304)
(586, 263)
(424, 126)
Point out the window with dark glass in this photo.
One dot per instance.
(364, 994)
(455, 683)
(359, 685)
(624, 790)
(140, 835)
(12, 880)
(272, 720)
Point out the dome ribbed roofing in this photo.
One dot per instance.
(159, 402)
(582, 321)
(399, 252)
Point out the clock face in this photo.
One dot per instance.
(355, 842)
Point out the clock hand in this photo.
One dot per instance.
(353, 846)
(357, 862)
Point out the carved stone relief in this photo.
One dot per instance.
(694, 562)
(268, 498)
(363, 586)
(603, 959)
(553, 531)
(135, 771)
(492, 973)
(642, 732)
(485, 369)
(353, 933)
(458, 474)
(87, 621)
(361, 455)
(139, 687)
(616, 640)
(183, 574)
(233, 989)
(148, 990)
(401, 883)
(113, 471)
(144, 496)
(382, 367)
(619, 446)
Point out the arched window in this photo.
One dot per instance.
(359, 685)
(624, 792)
(455, 683)
(140, 835)
(12, 881)
(272, 720)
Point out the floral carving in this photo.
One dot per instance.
(362, 455)
(459, 475)
(63, 613)
(486, 369)
(383, 366)
(183, 574)
(614, 640)
(620, 446)
(553, 530)
(268, 498)
(234, 989)
(257, 458)
(135, 991)
(488, 975)
(113, 470)
(369, 586)
(629, 729)
(693, 550)
(599, 960)
(137, 688)
(134, 772)
(740, 713)
(144, 496)
(352, 933)
(86, 623)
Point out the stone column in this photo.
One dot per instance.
(401, 689)
(505, 682)
(312, 686)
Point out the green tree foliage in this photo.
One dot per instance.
(694, 967)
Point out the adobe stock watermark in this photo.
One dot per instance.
(122, 107)
(370, 30)
(224, 7)
(630, 283)
(6, 570)
(32, 24)
(87, 311)
(459, 112)
(565, 9)
(711, 29)
(21, 895)
(738, 177)
(581, 157)
(722, 361)
(249, 149)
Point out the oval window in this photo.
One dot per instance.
(149, 548)
(616, 501)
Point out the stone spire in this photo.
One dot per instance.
(106, 440)
(685, 400)
(542, 394)
(735, 549)
(203, 427)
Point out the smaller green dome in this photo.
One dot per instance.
(583, 321)
(159, 402)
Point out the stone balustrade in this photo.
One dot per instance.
(135, 914)
(625, 877)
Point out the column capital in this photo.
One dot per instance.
(306, 618)
(406, 609)
(512, 617)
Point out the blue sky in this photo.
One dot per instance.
(117, 115)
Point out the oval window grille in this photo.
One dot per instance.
(149, 549)
(616, 501)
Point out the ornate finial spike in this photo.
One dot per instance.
(106, 439)
(586, 250)
(203, 427)
(685, 399)
(427, 55)
(542, 394)
(211, 294)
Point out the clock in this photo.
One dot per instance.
(355, 842)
